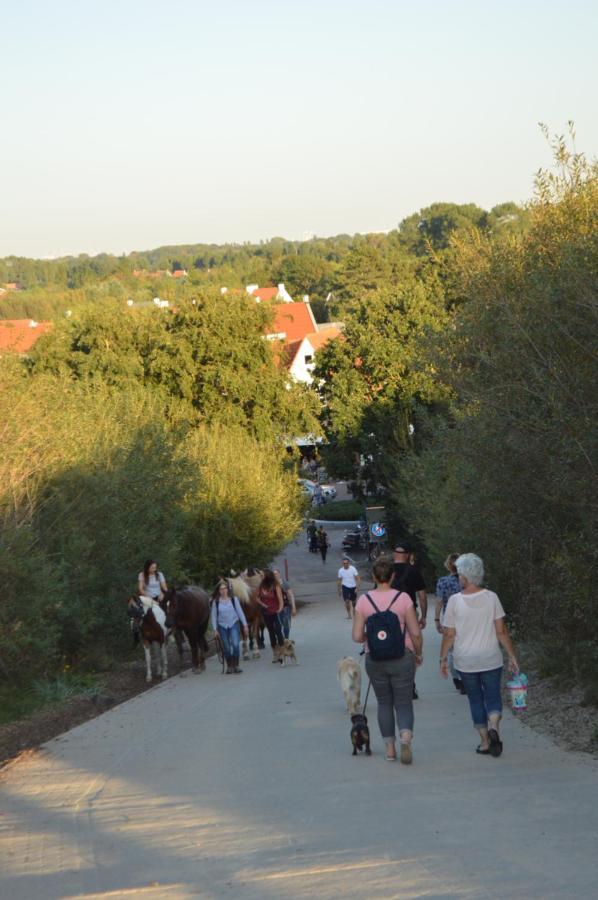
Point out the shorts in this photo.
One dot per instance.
(349, 594)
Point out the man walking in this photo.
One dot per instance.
(408, 578)
(347, 582)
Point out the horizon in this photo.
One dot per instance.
(168, 124)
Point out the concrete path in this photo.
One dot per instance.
(216, 786)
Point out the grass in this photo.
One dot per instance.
(17, 702)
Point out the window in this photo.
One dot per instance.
(308, 359)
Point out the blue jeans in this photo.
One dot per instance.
(285, 620)
(231, 639)
(483, 693)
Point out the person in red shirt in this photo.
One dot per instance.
(271, 601)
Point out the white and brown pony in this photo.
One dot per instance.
(149, 624)
(245, 586)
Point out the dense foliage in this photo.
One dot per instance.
(94, 479)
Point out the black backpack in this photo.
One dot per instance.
(384, 635)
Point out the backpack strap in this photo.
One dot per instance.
(374, 605)
(396, 596)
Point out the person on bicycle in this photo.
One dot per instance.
(228, 619)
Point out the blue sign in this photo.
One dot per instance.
(378, 530)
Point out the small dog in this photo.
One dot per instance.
(360, 734)
(348, 673)
(288, 650)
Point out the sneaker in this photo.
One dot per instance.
(406, 754)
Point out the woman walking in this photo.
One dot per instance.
(228, 619)
(151, 581)
(474, 627)
(391, 679)
(269, 597)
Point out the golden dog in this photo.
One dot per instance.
(288, 651)
(348, 672)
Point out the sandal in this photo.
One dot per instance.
(482, 752)
(495, 748)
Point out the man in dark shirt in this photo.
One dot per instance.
(408, 578)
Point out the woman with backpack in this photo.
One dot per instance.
(228, 619)
(386, 621)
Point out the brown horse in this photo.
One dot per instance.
(150, 625)
(245, 587)
(188, 610)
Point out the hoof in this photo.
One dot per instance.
(256, 654)
(164, 676)
(246, 656)
(148, 680)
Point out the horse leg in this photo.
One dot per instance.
(255, 626)
(194, 654)
(178, 636)
(244, 643)
(164, 656)
(148, 661)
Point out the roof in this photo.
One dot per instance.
(266, 293)
(179, 273)
(318, 338)
(19, 335)
(295, 320)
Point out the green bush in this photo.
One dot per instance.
(339, 511)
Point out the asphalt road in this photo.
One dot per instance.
(245, 786)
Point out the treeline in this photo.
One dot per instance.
(468, 390)
(318, 267)
(130, 435)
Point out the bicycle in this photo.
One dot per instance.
(376, 549)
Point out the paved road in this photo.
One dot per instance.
(215, 786)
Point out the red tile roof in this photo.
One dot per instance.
(266, 293)
(179, 273)
(294, 319)
(19, 335)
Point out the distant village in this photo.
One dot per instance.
(296, 336)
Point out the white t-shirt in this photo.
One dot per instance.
(348, 576)
(152, 585)
(472, 616)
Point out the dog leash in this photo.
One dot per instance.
(367, 694)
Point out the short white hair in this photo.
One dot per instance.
(471, 567)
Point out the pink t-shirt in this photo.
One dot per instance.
(383, 599)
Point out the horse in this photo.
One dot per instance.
(149, 622)
(188, 610)
(245, 587)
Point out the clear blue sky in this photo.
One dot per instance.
(130, 124)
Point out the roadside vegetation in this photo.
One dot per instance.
(469, 392)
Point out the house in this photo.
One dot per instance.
(292, 321)
(180, 273)
(299, 355)
(264, 294)
(14, 286)
(20, 335)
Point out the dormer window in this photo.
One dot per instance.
(308, 359)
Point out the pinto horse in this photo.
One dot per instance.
(149, 622)
(245, 587)
(188, 610)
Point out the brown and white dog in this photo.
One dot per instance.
(348, 672)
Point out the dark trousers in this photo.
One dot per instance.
(323, 551)
(272, 623)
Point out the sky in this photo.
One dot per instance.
(138, 123)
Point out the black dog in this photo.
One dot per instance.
(360, 734)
